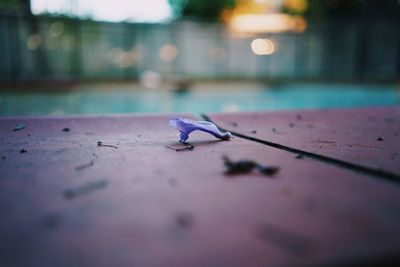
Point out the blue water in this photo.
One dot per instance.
(208, 99)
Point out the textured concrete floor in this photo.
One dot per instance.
(65, 201)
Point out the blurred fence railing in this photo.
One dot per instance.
(64, 48)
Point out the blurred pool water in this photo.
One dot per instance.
(214, 97)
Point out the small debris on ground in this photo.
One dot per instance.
(310, 204)
(390, 120)
(99, 143)
(298, 117)
(234, 124)
(253, 132)
(3, 157)
(324, 142)
(295, 243)
(19, 127)
(23, 151)
(66, 129)
(184, 219)
(52, 220)
(276, 131)
(84, 166)
(83, 189)
(172, 182)
(178, 148)
(291, 124)
(247, 166)
(380, 139)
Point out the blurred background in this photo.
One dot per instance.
(122, 56)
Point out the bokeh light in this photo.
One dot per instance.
(57, 29)
(263, 47)
(34, 41)
(168, 52)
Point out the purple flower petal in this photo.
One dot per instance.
(185, 127)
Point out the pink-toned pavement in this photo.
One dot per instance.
(369, 137)
(68, 202)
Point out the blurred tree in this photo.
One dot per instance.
(327, 9)
(9, 3)
(211, 10)
(24, 6)
(321, 9)
(207, 10)
(295, 7)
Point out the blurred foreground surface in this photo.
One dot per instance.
(65, 201)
